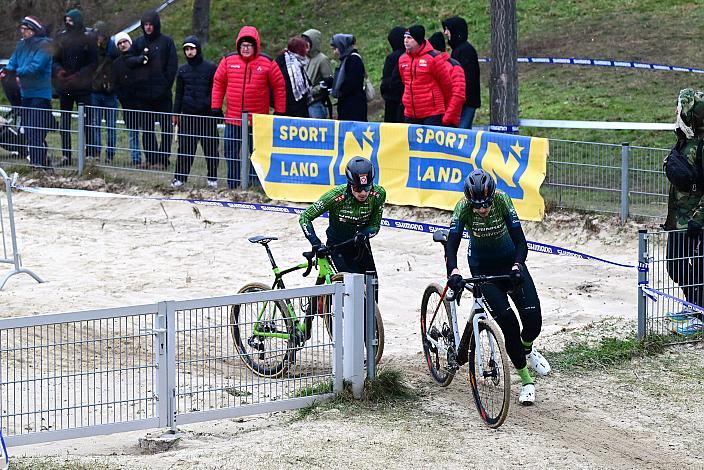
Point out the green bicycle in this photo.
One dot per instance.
(268, 334)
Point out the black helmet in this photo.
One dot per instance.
(360, 173)
(479, 188)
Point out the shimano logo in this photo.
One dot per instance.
(275, 209)
(385, 223)
(238, 205)
(539, 248)
(207, 203)
(568, 253)
(409, 226)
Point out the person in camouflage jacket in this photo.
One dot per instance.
(685, 210)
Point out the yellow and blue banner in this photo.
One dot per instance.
(424, 166)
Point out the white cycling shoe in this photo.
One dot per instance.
(527, 396)
(538, 363)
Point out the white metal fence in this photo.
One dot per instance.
(175, 362)
(671, 285)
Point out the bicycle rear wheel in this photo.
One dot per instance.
(327, 317)
(435, 325)
(491, 386)
(263, 333)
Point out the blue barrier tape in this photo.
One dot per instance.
(6, 458)
(386, 222)
(654, 292)
(600, 63)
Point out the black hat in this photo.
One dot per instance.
(417, 32)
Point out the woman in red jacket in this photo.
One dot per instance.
(245, 80)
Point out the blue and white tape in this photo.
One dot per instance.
(5, 462)
(386, 222)
(601, 63)
(653, 294)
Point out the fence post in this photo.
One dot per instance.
(81, 138)
(244, 152)
(338, 369)
(643, 268)
(164, 369)
(370, 322)
(625, 155)
(353, 333)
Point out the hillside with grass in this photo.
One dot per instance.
(650, 31)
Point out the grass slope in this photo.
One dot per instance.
(643, 30)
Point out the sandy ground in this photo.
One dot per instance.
(97, 253)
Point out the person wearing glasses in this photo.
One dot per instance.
(497, 246)
(355, 209)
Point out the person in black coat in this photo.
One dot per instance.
(154, 78)
(75, 61)
(466, 55)
(292, 61)
(391, 83)
(194, 85)
(347, 85)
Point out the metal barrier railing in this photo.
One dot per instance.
(11, 255)
(104, 371)
(671, 285)
(590, 176)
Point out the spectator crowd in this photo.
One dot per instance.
(421, 83)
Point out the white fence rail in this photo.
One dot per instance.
(80, 374)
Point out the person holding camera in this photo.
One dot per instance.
(498, 247)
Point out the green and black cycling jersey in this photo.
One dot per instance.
(347, 215)
(495, 241)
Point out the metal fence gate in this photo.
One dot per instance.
(96, 372)
(670, 285)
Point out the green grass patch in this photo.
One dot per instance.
(46, 463)
(609, 351)
(389, 388)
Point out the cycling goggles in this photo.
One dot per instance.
(482, 204)
(359, 189)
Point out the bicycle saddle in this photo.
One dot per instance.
(263, 239)
(440, 235)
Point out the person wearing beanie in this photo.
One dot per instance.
(347, 84)
(318, 69)
(250, 93)
(31, 64)
(454, 106)
(123, 76)
(437, 40)
(75, 61)
(154, 78)
(463, 52)
(192, 115)
(427, 82)
(103, 97)
(391, 84)
(293, 62)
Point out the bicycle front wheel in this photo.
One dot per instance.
(436, 333)
(379, 333)
(263, 333)
(489, 373)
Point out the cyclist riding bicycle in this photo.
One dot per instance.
(497, 246)
(355, 211)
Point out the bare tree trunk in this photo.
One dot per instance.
(201, 20)
(503, 82)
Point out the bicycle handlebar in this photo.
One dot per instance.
(471, 281)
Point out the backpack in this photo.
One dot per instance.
(681, 174)
(368, 85)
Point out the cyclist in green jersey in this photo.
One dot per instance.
(497, 246)
(354, 211)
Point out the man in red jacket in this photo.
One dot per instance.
(246, 79)
(427, 81)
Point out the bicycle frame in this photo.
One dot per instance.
(325, 272)
(478, 312)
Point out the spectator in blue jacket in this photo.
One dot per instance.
(31, 62)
